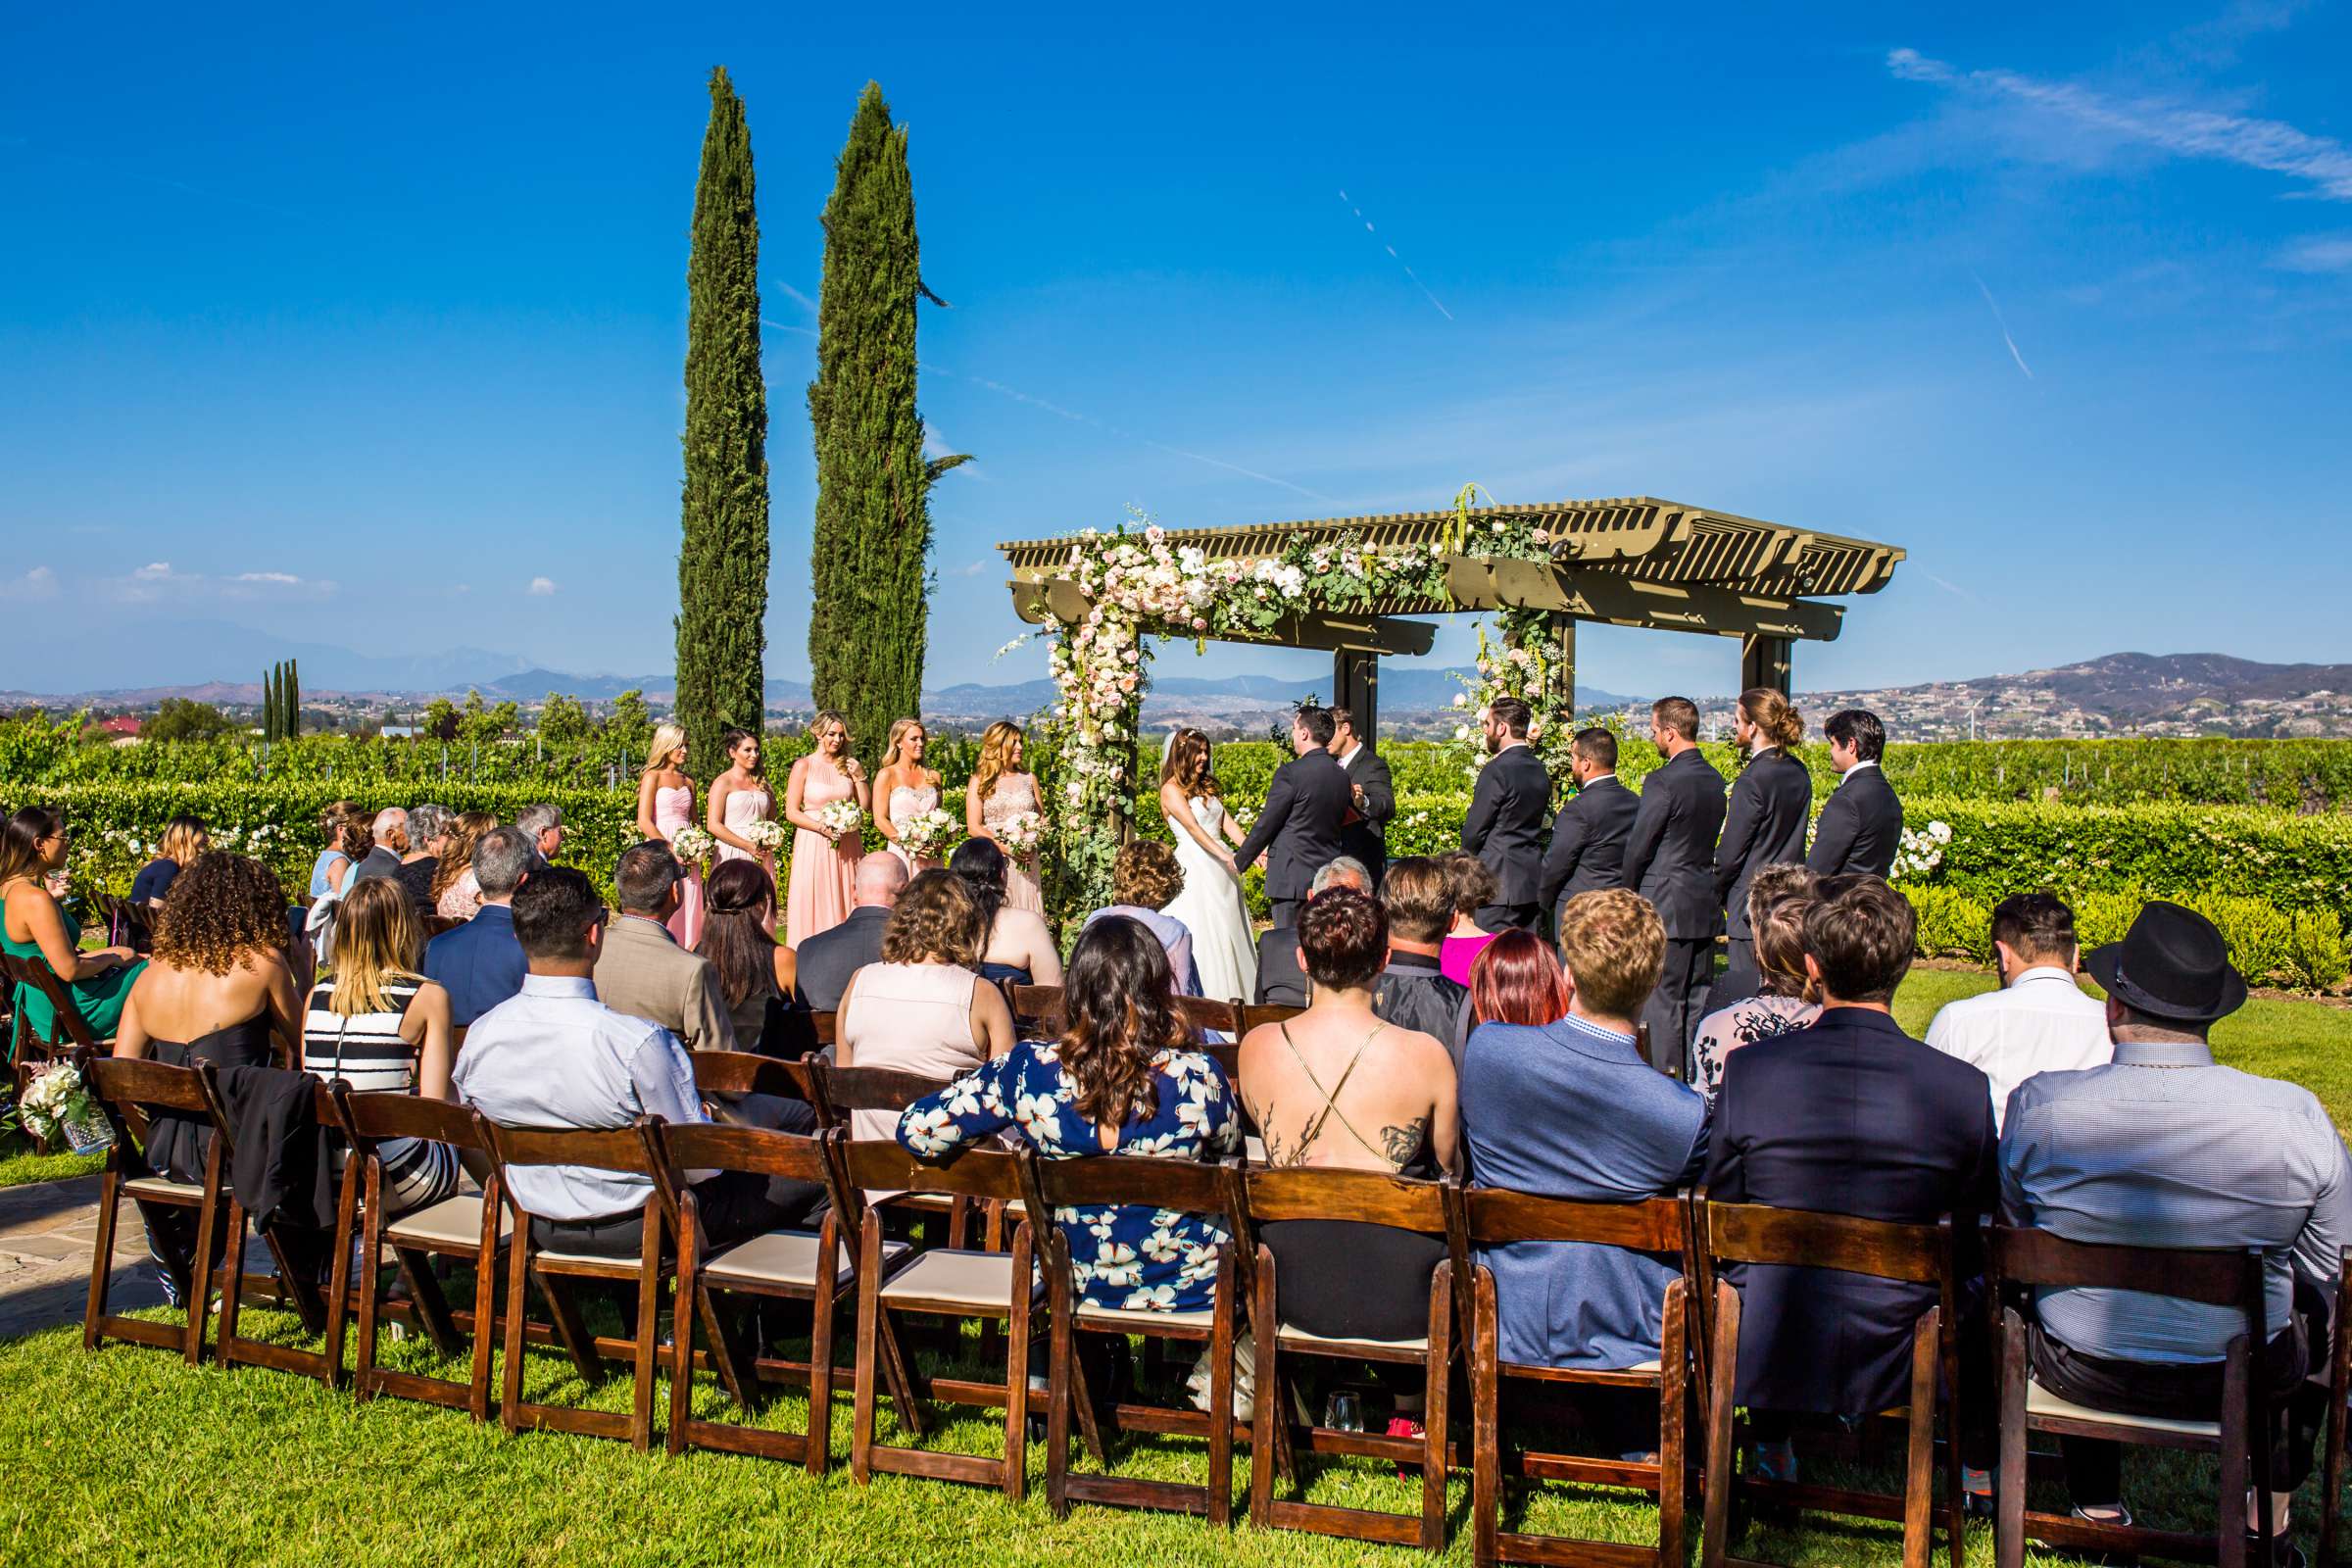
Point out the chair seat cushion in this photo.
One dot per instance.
(2041, 1401)
(1253, 1148)
(965, 1277)
(452, 1222)
(1292, 1336)
(786, 1257)
(1651, 1366)
(1144, 1320)
(163, 1187)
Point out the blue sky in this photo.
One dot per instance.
(366, 329)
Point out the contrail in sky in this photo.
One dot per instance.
(2002, 321)
(1398, 259)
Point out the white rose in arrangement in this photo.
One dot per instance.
(841, 817)
(926, 833)
(766, 835)
(1021, 833)
(692, 845)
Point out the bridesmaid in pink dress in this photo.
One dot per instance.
(665, 805)
(824, 866)
(1002, 789)
(739, 798)
(906, 789)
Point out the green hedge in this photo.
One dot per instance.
(2301, 948)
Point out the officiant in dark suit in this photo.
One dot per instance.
(1862, 822)
(1505, 825)
(1298, 832)
(1373, 796)
(1588, 836)
(1772, 800)
(1671, 861)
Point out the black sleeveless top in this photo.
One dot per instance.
(176, 1144)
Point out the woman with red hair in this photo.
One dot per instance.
(1515, 979)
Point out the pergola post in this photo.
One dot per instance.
(1563, 661)
(1355, 686)
(1767, 661)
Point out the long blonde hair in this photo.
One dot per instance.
(185, 839)
(377, 941)
(667, 738)
(898, 732)
(996, 755)
(463, 834)
(826, 718)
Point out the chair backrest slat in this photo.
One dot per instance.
(874, 1088)
(1187, 1186)
(884, 1164)
(1202, 1013)
(2216, 1276)
(1258, 1015)
(1648, 1225)
(740, 1072)
(148, 1085)
(1754, 1233)
(378, 1117)
(615, 1148)
(710, 1145)
(72, 1029)
(1370, 1197)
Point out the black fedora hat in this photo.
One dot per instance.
(2172, 963)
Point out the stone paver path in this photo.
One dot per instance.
(47, 1231)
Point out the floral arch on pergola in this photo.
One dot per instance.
(1099, 597)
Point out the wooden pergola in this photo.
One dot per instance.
(1627, 562)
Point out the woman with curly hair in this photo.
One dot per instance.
(457, 894)
(924, 1007)
(1123, 1079)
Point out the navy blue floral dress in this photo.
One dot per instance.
(1128, 1258)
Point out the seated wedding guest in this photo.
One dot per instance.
(1517, 981)
(753, 970)
(457, 893)
(388, 842)
(826, 960)
(1020, 946)
(2040, 1020)
(1412, 991)
(1335, 1087)
(1849, 1116)
(543, 826)
(1474, 889)
(553, 1055)
(1778, 897)
(1123, 1079)
(381, 1027)
(2164, 1148)
(1145, 880)
(429, 841)
(924, 1007)
(1573, 1109)
(218, 989)
(482, 963)
(185, 839)
(641, 971)
(34, 925)
(1281, 977)
(344, 826)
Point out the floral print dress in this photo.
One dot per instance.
(1128, 1256)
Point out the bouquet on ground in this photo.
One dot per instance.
(692, 845)
(842, 817)
(56, 1101)
(1021, 833)
(926, 834)
(766, 835)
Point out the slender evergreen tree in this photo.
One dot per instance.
(867, 563)
(293, 699)
(270, 704)
(722, 558)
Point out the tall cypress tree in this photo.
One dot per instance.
(293, 698)
(866, 626)
(722, 558)
(270, 704)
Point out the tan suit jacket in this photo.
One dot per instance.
(643, 972)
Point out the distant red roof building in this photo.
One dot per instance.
(120, 725)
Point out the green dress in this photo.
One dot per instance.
(98, 999)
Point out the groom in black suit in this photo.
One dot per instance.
(1300, 830)
(1505, 825)
(1365, 833)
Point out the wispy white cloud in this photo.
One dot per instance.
(1393, 257)
(2003, 324)
(970, 568)
(159, 580)
(796, 296)
(38, 583)
(2180, 130)
(542, 588)
(283, 577)
(2320, 252)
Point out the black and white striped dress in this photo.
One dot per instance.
(367, 1051)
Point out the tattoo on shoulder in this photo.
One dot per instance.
(1401, 1143)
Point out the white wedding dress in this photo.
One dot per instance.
(1212, 909)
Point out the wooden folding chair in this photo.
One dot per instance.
(1181, 1185)
(1368, 1198)
(820, 1268)
(2339, 1380)
(1037, 1005)
(469, 1225)
(322, 1313)
(1917, 1254)
(838, 1090)
(1256, 1016)
(1202, 1013)
(132, 1095)
(948, 1282)
(68, 1032)
(2023, 1260)
(615, 1148)
(1496, 1218)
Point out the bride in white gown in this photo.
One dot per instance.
(1211, 905)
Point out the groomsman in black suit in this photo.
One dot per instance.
(1505, 825)
(1373, 798)
(1298, 833)
(1670, 861)
(1588, 837)
(1862, 822)
(1772, 801)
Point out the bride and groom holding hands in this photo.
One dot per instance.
(1334, 797)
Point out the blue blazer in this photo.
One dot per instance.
(1569, 1112)
(479, 964)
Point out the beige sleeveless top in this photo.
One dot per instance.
(909, 1017)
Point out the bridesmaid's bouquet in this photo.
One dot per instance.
(841, 817)
(766, 835)
(1021, 833)
(926, 833)
(692, 845)
(56, 1101)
